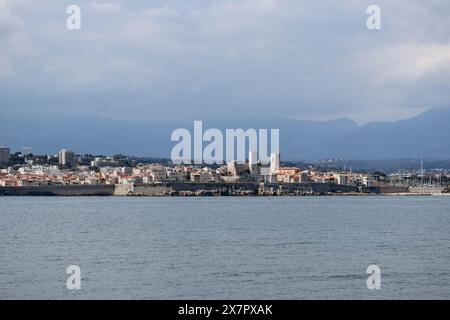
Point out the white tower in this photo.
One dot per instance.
(252, 162)
(274, 162)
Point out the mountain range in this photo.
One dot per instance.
(427, 135)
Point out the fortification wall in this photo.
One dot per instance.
(69, 190)
(304, 189)
(190, 189)
(232, 189)
(195, 189)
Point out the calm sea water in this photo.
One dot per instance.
(239, 248)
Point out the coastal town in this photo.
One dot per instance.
(122, 175)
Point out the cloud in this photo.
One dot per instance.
(167, 60)
(105, 7)
(14, 42)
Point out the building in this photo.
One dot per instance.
(267, 176)
(274, 162)
(158, 174)
(201, 177)
(303, 177)
(342, 179)
(104, 162)
(4, 155)
(66, 157)
(288, 174)
(235, 168)
(176, 176)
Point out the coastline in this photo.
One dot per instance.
(208, 190)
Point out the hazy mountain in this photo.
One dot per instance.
(428, 134)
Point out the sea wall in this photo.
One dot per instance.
(391, 189)
(231, 189)
(304, 189)
(197, 189)
(385, 189)
(69, 190)
(188, 189)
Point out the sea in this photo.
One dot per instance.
(225, 247)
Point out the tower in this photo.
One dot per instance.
(66, 157)
(274, 162)
(252, 162)
(4, 155)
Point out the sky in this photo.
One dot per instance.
(199, 59)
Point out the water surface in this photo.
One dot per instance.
(213, 248)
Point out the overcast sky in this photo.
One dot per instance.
(168, 60)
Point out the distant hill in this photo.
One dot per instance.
(427, 134)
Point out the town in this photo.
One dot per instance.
(67, 173)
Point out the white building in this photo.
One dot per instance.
(104, 162)
(66, 157)
(342, 179)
